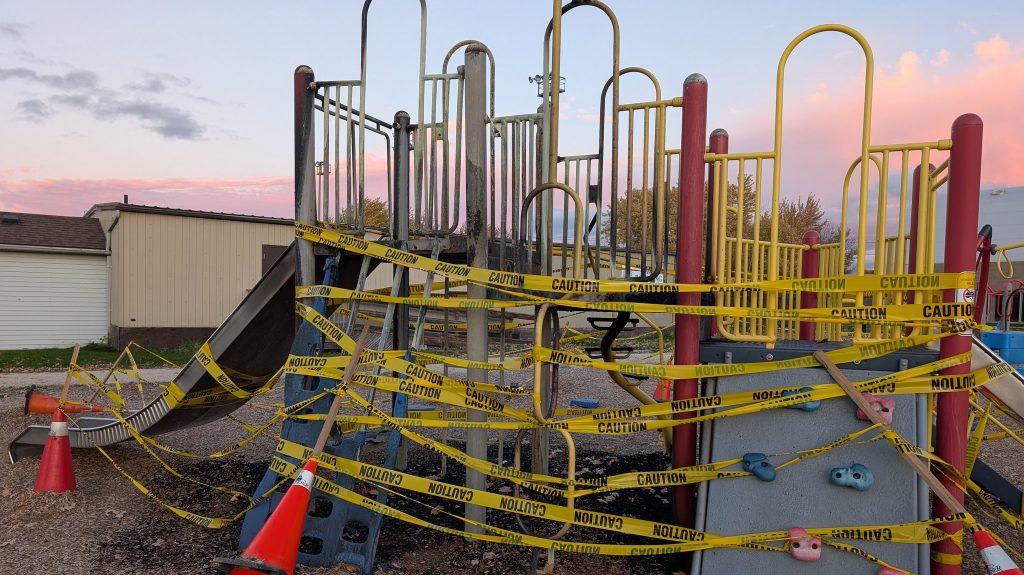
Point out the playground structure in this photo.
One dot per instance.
(491, 213)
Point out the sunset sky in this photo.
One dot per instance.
(188, 104)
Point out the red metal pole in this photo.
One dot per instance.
(809, 269)
(961, 247)
(688, 264)
(719, 144)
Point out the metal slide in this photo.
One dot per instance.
(250, 346)
(1006, 391)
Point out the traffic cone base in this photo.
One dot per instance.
(275, 548)
(996, 560)
(56, 472)
(39, 402)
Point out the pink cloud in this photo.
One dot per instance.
(262, 196)
(820, 93)
(941, 58)
(820, 141)
(995, 48)
(908, 71)
(268, 196)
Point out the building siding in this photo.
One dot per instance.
(52, 300)
(184, 272)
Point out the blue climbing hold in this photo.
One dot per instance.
(585, 403)
(805, 406)
(856, 476)
(757, 464)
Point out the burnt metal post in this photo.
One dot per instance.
(305, 178)
(809, 266)
(476, 256)
(961, 247)
(719, 144)
(688, 270)
(540, 444)
(400, 236)
(400, 224)
(983, 263)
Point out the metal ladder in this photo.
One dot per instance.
(334, 531)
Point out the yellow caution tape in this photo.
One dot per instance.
(205, 358)
(684, 539)
(201, 520)
(858, 352)
(510, 364)
(974, 440)
(89, 380)
(892, 282)
(875, 315)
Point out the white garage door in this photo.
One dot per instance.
(52, 300)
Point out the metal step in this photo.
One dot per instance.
(619, 352)
(602, 323)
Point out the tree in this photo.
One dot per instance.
(640, 201)
(795, 218)
(798, 216)
(376, 212)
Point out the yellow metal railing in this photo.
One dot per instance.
(876, 223)
(830, 264)
(642, 237)
(746, 260)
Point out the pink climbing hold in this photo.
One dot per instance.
(883, 405)
(890, 571)
(802, 546)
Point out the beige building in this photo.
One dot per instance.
(176, 274)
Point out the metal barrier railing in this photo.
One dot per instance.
(517, 173)
(582, 173)
(648, 237)
(1004, 309)
(437, 167)
(549, 163)
(747, 214)
(746, 260)
(916, 232)
(340, 111)
(830, 264)
(341, 203)
(438, 149)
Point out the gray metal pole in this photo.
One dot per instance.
(305, 179)
(476, 255)
(541, 443)
(400, 236)
(400, 223)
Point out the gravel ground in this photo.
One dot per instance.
(108, 527)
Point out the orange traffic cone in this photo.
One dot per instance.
(39, 402)
(56, 472)
(996, 560)
(276, 547)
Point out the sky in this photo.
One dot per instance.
(189, 104)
